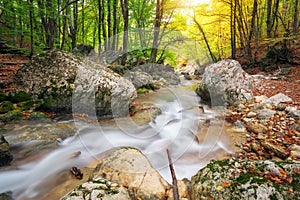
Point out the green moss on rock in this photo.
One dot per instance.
(6, 106)
(13, 115)
(19, 96)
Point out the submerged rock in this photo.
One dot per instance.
(62, 80)
(244, 179)
(225, 82)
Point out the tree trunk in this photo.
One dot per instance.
(269, 21)
(99, 25)
(157, 23)
(125, 13)
(233, 28)
(205, 40)
(115, 4)
(30, 2)
(82, 23)
(103, 25)
(108, 25)
(296, 17)
(251, 32)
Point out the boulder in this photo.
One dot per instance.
(138, 78)
(5, 155)
(65, 81)
(162, 73)
(130, 168)
(225, 82)
(245, 179)
(276, 99)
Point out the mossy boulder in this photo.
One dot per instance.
(66, 81)
(18, 96)
(12, 115)
(244, 179)
(6, 106)
(30, 105)
(37, 115)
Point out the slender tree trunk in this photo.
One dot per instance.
(125, 13)
(296, 17)
(233, 28)
(115, 4)
(103, 25)
(251, 32)
(108, 25)
(205, 40)
(99, 26)
(157, 23)
(31, 14)
(82, 23)
(269, 20)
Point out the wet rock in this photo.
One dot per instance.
(98, 189)
(65, 81)
(130, 168)
(5, 155)
(244, 179)
(278, 98)
(265, 113)
(256, 127)
(225, 82)
(138, 78)
(144, 113)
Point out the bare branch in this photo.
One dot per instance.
(174, 180)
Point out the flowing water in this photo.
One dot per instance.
(180, 128)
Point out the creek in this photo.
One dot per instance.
(193, 137)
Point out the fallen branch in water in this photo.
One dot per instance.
(174, 180)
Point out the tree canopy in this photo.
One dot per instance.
(220, 27)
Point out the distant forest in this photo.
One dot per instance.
(221, 27)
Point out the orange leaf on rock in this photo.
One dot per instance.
(225, 184)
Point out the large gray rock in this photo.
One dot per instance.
(54, 77)
(225, 82)
(276, 99)
(162, 73)
(138, 78)
(244, 179)
(129, 167)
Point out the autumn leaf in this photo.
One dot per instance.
(225, 184)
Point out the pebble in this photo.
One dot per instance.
(265, 113)
(251, 114)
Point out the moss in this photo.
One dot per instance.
(37, 115)
(13, 115)
(31, 104)
(19, 96)
(273, 197)
(246, 177)
(6, 106)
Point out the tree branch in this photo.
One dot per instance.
(174, 180)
